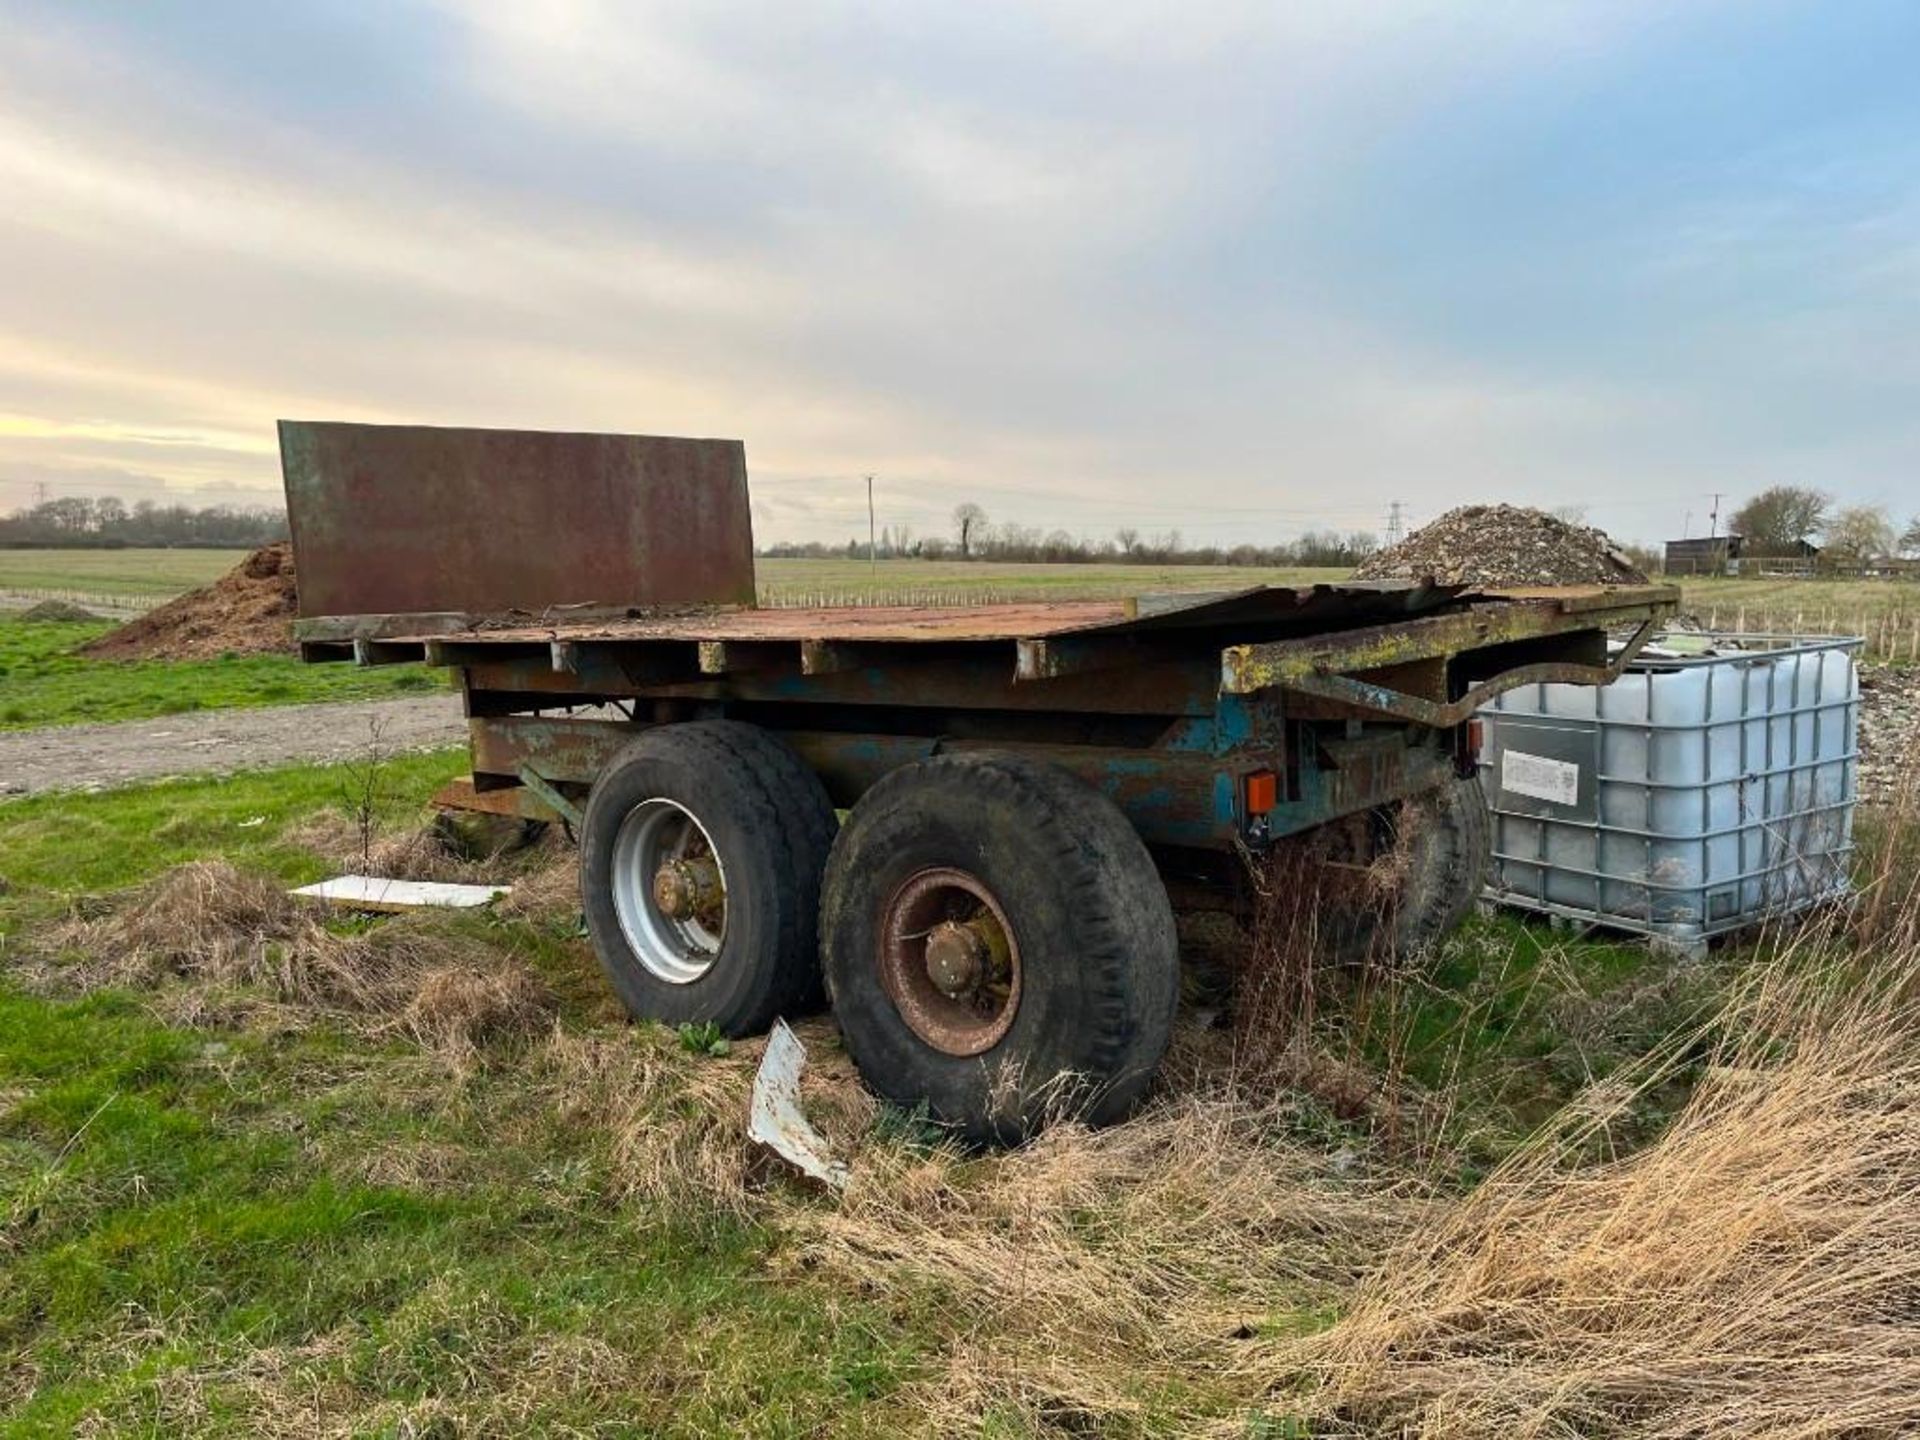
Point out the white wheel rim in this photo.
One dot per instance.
(674, 949)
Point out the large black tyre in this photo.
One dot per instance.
(1087, 958)
(1409, 878)
(764, 818)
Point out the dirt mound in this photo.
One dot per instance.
(247, 611)
(1503, 545)
(56, 610)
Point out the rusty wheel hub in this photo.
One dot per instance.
(956, 958)
(688, 889)
(669, 891)
(949, 962)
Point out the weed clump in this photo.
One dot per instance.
(420, 852)
(211, 944)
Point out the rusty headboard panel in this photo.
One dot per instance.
(403, 519)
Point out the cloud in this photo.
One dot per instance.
(1257, 268)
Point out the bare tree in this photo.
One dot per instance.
(1128, 537)
(1777, 520)
(968, 521)
(1858, 534)
(1910, 537)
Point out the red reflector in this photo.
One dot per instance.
(1476, 732)
(1263, 792)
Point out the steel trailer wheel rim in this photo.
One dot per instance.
(669, 891)
(949, 961)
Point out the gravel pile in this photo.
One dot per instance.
(1889, 732)
(1503, 545)
(247, 611)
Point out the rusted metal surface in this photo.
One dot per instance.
(1171, 796)
(550, 796)
(1261, 612)
(1285, 663)
(406, 519)
(516, 801)
(897, 624)
(1379, 697)
(977, 678)
(949, 961)
(1087, 657)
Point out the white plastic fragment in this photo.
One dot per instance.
(374, 892)
(774, 1119)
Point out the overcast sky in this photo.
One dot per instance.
(1235, 269)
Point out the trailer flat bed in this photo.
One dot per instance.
(1017, 620)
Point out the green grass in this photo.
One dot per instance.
(240, 1228)
(44, 682)
(1513, 1020)
(192, 1243)
(829, 581)
(179, 1263)
(1812, 598)
(219, 1231)
(137, 574)
(59, 845)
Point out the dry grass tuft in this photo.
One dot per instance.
(677, 1120)
(548, 893)
(1093, 1277)
(439, 851)
(1308, 953)
(213, 944)
(1757, 1271)
(1886, 913)
(457, 1008)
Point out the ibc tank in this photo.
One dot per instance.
(1698, 794)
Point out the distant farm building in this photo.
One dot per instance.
(1723, 554)
(1706, 556)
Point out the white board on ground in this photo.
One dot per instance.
(375, 892)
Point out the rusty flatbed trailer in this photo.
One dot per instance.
(1025, 781)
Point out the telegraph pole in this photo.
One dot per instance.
(1713, 524)
(873, 553)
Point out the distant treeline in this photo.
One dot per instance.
(975, 538)
(107, 522)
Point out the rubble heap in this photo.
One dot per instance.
(1503, 545)
(1889, 732)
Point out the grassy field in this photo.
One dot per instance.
(831, 582)
(159, 574)
(132, 574)
(1885, 612)
(44, 682)
(263, 1175)
(262, 1172)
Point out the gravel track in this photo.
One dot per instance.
(217, 742)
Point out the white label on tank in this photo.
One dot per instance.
(1539, 777)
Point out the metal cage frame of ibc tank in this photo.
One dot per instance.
(1691, 936)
